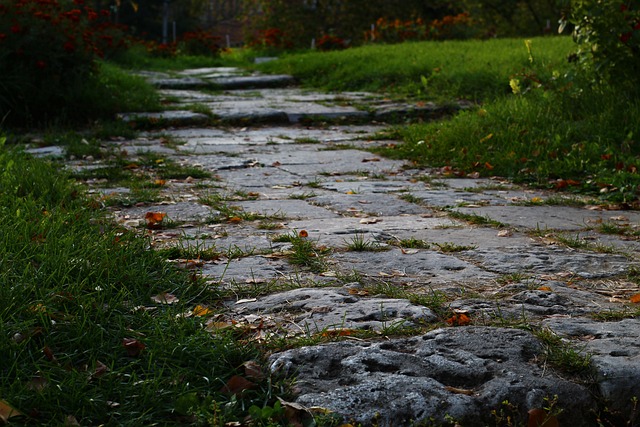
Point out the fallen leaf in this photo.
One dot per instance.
(409, 251)
(635, 298)
(236, 385)
(505, 233)
(459, 319)
(154, 218)
(133, 346)
(371, 159)
(201, 310)
(37, 383)
(303, 233)
(48, 353)
(459, 390)
(545, 288)
(536, 200)
(253, 370)
(369, 220)
(7, 412)
(71, 421)
(539, 418)
(235, 220)
(165, 298)
(351, 192)
(160, 182)
(296, 414)
(359, 292)
(246, 300)
(100, 370)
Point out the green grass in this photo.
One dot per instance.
(473, 69)
(81, 336)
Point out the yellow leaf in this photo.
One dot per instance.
(201, 310)
(7, 412)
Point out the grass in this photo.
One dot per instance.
(81, 328)
(475, 70)
(304, 252)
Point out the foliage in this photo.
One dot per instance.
(48, 51)
(608, 38)
(460, 26)
(302, 21)
(200, 42)
(330, 42)
(470, 69)
(499, 18)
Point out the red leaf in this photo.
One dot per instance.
(133, 346)
(7, 412)
(459, 319)
(154, 218)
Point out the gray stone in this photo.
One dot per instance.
(50, 151)
(615, 353)
(251, 82)
(316, 310)
(464, 373)
(165, 118)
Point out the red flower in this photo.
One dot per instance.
(69, 47)
(624, 38)
(41, 64)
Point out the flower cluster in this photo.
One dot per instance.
(394, 31)
(330, 42)
(47, 46)
(271, 38)
(200, 42)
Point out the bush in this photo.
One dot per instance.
(48, 49)
(200, 42)
(608, 36)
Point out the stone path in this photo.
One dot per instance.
(431, 315)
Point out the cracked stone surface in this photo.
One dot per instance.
(392, 251)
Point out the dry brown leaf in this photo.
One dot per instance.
(236, 385)
(235, 220)
(545, 288)
(409, 251)
(505, 233)
(371, 159)
(635, 298)
(7, 412)
(71, 421)
(369, 220)
(253, 370)
(459, 390)
(165, 298)
(303, 233)
(160, 182)
(133, 346)
(359, 292)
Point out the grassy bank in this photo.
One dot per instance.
(536, 122)
(96, 328)
(473, 69)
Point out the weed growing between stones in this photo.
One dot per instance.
(304, 252)
(358, 243)
(561, 355)
(475, 219)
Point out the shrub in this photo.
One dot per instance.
(608, 36)
(331, 42)
(200, 42)
(47, 48)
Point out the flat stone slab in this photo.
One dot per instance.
(165, 118)
(423, 266)
(463, 372)
(547, 217)
(311, 311)
(614, 348)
